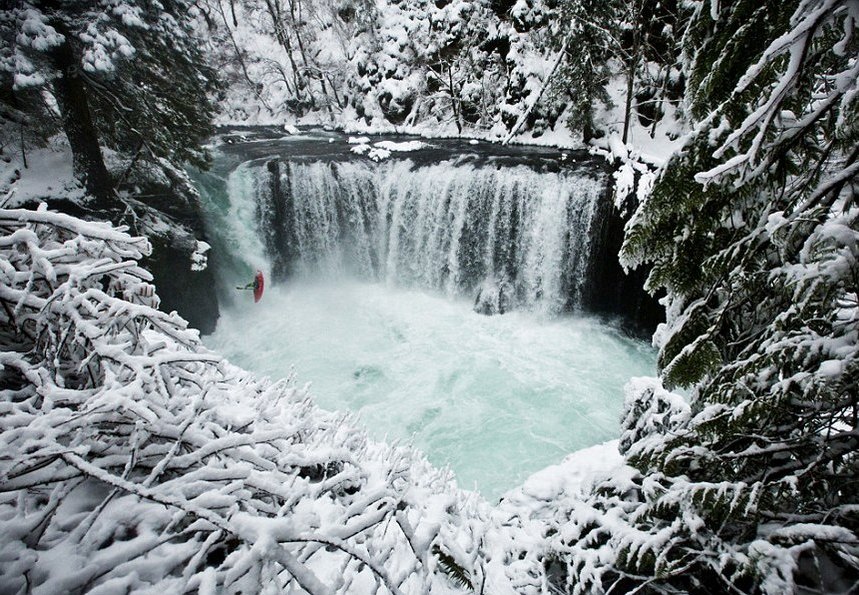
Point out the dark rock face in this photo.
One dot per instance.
(190, 293)
(494, 296)
(170, 218)
(613, 291)
(173, 223)
(279, 216)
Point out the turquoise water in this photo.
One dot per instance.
(494, 398)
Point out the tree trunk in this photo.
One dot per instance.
(627, 112)
(587, 132)
(457, 111)
(630, 74)
(233, 11)
(71, 96)
(524, 115)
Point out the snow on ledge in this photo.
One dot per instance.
(402, 147)
(572, 476)
(383, 149)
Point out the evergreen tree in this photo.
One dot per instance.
(752, 484)
(650, 57)
(589, 39)
(598, 40)
(127, 75)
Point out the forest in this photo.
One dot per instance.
(135, 460)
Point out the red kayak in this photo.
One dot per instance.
(259, 285)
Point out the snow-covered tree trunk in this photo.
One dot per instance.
(73, 101)
(535, 97)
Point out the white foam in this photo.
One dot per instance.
(496, 398)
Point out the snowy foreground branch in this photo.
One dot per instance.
(134, 460)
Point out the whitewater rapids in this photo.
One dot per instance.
(494, 398)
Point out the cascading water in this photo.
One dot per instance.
(376, 269)
(445, 227)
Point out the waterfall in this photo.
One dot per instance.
(512, 232)
(244, 189)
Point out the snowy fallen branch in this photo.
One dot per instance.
(134, 460)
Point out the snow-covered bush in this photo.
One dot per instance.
(134, 460)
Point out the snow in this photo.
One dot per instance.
(49, 172)
(383, 149)
(401, 147)
(624, 182)
(374, 153)
(831, 368)
(36, 33)
(574, 475)
(617, 149)
(199, 260)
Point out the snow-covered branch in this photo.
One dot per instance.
(145, 462)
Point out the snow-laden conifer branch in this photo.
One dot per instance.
(748, 484)
(131, 458)
(754, 143)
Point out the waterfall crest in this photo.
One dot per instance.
(461, 229)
